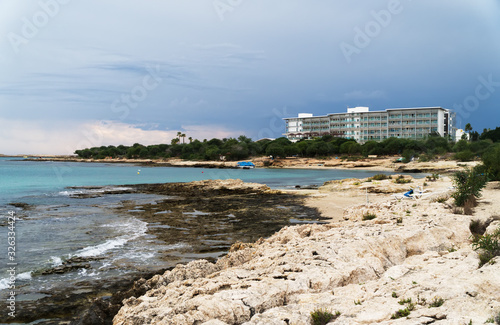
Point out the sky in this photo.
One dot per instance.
(77, 74)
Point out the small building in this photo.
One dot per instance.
(361, 124)
(460, 133)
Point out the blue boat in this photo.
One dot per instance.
(246, 164)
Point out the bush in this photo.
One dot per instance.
(404, 312)
(436, 302)
(491, 161)
(433, 177)
(402, 180)
(404, 301)
(477, 228)
(468, 183)
(380, 177)
(465, 155)
(401, 313)
(425, 157)
(488, 245)
(369, 216)
(323, 316)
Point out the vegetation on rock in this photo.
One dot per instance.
(323, 316)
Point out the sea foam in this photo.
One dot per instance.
(132, 229)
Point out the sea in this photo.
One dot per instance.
(57, 227)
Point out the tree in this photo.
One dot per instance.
(275, 150)
(491, 161)
(183, 136)
(468, 129)
(190, 139)
(468, 184)
(474, 136)
(461, 145)
(243, 138)
(175, 141)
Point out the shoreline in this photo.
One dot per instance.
(376, 164)
(204, 217)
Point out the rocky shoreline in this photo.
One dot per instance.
(209, 216)
(410, 263)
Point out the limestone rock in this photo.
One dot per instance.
(362, 269)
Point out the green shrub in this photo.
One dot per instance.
(404, 312)
(436, 302)
(404, 301)
(401, 313)
(491, 161)
(402, 180)
(425, 157)
(465, 155)
(433, 177)
(488, 245)
(408, 155)
(380, 177)
(369, 216)
(468, 183)
(323, 316)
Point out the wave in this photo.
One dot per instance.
(5, 282)
(82, 191)
(56, 261)
(24, 276)
(133, 229)
(102, 248)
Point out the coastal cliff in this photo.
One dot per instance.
(411, 254)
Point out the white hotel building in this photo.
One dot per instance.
(362, 125)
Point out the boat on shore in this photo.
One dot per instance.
(246, 165)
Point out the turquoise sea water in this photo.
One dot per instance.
(58, 227)
(28, 180)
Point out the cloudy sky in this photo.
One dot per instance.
(86, 73)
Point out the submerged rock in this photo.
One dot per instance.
(208, 216)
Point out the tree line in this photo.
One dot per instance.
(485, 146)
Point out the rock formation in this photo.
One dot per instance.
(367, 270)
